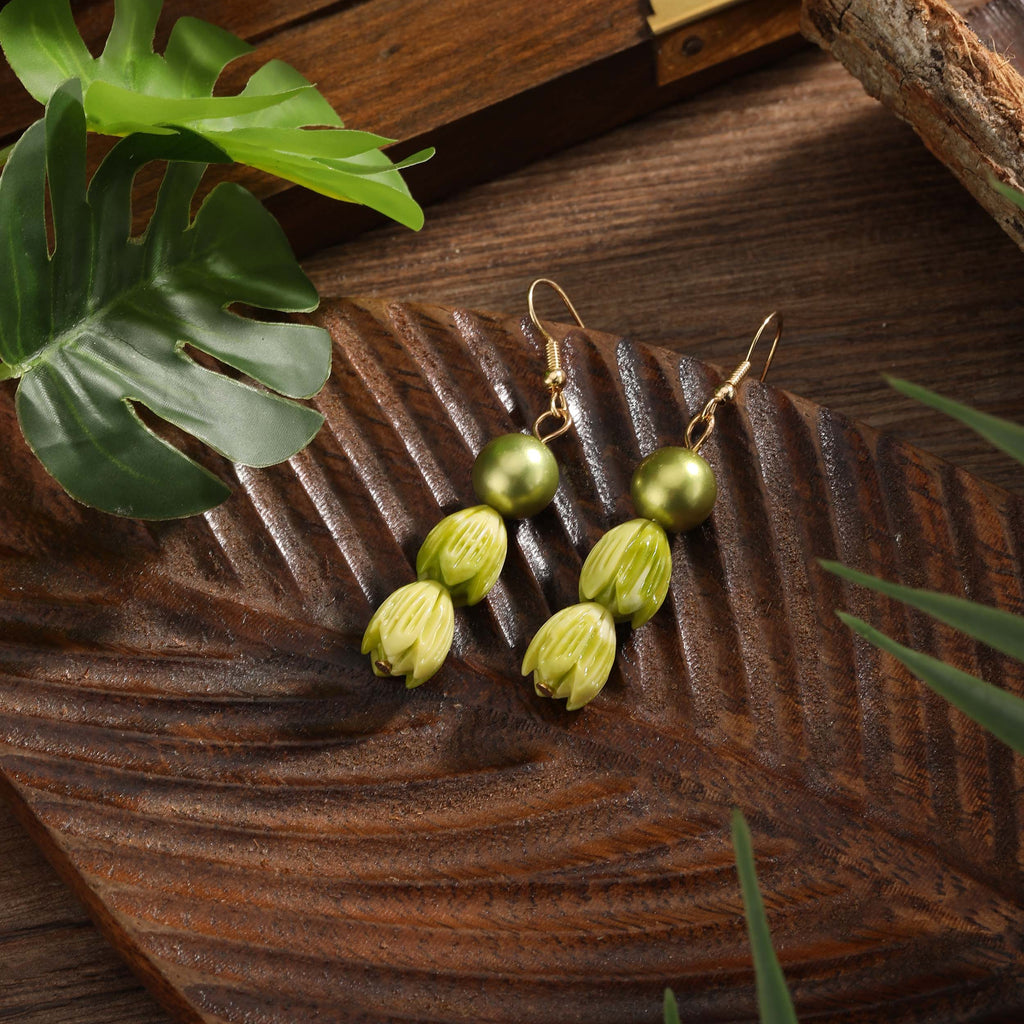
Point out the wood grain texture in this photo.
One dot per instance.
(490, 91)
(269, 833)
(682, 229)
(920, 58)
(253, 21)
(679, 230)
(999, 24)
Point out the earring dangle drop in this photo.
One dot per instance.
(514, 476)
(626, 575)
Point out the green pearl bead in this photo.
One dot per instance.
(675, 487)
(516, 475)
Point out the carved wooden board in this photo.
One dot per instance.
(270, 834)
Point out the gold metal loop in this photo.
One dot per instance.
(555, 380)
(699, 429)
(557, 410)
(705, 421)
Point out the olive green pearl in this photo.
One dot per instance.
(675, 487)
(516, 475)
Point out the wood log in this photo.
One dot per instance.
(923, 61)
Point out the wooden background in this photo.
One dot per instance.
(786, 188)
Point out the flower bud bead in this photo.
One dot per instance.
(572, 654)
(628, 571)
(411, 633)
(465, 552)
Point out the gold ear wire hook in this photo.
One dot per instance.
(726, 391)
(775, 343)
(555, 378)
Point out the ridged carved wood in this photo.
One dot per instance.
(271, 834)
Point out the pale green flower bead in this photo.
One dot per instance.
(411, 633)
(628, 571)
(465, 552)
(572, 654)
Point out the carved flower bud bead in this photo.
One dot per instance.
(628, 571)
(515, 474)
(572, 654)
(411, 633)
(675, 487)
(465, 552)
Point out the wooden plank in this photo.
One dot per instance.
(253, 21)
(264, 828)
(490, 92)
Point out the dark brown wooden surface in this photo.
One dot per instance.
(267, 831)
(788, 188)
(963, 99)
(490, 93)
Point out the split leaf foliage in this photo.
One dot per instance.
(129, 88)
(102, 326)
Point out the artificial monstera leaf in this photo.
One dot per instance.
(130, 88)
(102, 325)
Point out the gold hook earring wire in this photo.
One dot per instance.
(698, 430)
(555, 379)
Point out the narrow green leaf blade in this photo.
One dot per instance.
(65, 171)
(1002, 433)
(323, 143)
(198, 52)
(131, 35)
(369, 178)
(671, 1007)
(309, 106)
(1000, 712)
(1000, 630)
(1008, 191)
(773, 999)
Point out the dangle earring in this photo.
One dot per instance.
(626, 575)
(515, 475)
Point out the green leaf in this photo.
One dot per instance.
(1002, 433)
(129, 88)
(671, 1007)
(1000, 630)
(104, 326)
(1000, 712)
(773, 998)
(1008, 191)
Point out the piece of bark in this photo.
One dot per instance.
(924, 62)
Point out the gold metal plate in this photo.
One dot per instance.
(670, 14)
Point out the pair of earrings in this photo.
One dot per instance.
(624, 578)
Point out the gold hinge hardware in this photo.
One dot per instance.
(670, 14)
